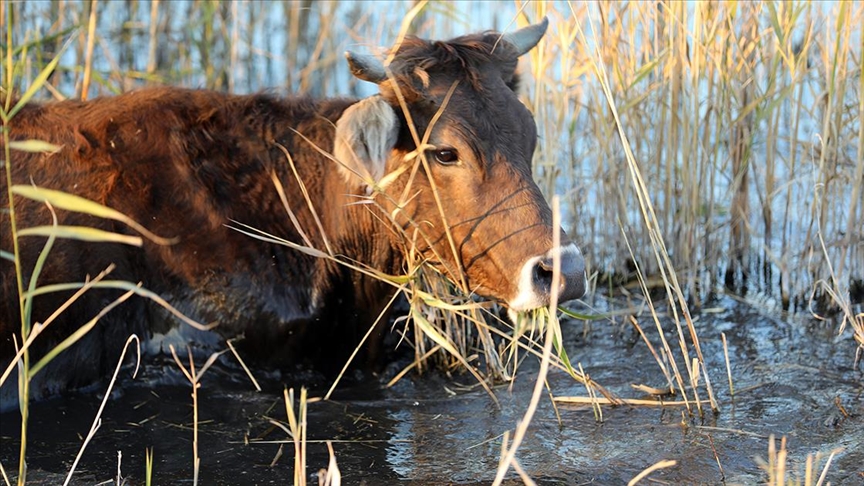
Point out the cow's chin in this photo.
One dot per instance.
(524, 305)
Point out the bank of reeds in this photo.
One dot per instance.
(744, 117)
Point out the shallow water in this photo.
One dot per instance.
(435, 429)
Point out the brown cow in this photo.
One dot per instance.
(187, 163)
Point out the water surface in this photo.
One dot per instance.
(789, 376)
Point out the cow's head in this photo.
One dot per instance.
(458, 98)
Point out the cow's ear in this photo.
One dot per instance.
(365, 134)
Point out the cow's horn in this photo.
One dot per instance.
(366, 67)
(526, 38)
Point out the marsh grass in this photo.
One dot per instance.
(193, 376)
(741, 109)
(676, 300)
(149, 456)
(780, 473)
(296, 429)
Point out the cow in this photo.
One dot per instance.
(439, 160)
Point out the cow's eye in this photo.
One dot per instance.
(446, 156)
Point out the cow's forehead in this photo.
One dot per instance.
(428, 69)
(494, 114)
(485, 141)
(486, 100)
(470, 79)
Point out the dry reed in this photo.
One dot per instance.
(780, 473)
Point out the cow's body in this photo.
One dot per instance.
(186, 163)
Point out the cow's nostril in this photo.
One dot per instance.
(543, 272)
(572, 279)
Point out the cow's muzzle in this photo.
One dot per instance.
(536, 275)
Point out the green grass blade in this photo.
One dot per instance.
(78, 204)
(7, 256)
(34, 278)
(432, 333)
(148, 466)
(34, 146)
(121, 285)
(565, 360)
(433, 301)
(40, 42)
(258, 234)
(69, 202)
(578, 315)
(82, 233)
(104, 284)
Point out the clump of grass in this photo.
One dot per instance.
(297, 424)
(194, 377)
(839, 295)
(779, 472)
(148, 465)
(297, 431)
(97, 421)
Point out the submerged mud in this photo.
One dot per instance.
(793, 377)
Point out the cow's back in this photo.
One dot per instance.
(183, 163)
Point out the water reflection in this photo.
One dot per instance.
(787, 378)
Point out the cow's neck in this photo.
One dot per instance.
(355, 232)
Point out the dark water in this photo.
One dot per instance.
(789, 376)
